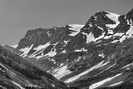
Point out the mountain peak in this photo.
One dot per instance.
(97, 54)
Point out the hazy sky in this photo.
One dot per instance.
(17, 16)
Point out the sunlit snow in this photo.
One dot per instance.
(101, 64)
(17, 84)
(115, 84)
(52, 53)
(114, 17)
(14, 46)
(42, 46)
(26, 50)
(100, 83)
(89, 37)
(75, 28)
(118, 34)
(60, 72)
(81, 50)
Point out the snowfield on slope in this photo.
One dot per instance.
(101, 64)
(100, 83)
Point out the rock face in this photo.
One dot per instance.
(97, 55)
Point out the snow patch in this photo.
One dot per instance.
(129, 33)
(42, 46)
(26, 50)
(52, 53)
(107, 37)
(14, 46)
(127, 66)
(17, 85)
(101, 64)
(38, 50)
(81, 50)
(110, 32)
(89, 37)
(122, 38)
(114, 17)
(64, 51)
(66, 42)
(115, 41)
(101, 55)
(75, 28)
(98, 84)
(100, 28)
(61, 72)
(115, 84)
(118, 34)
(40, 56)
(102, 36)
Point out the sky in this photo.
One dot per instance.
(18, 16)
